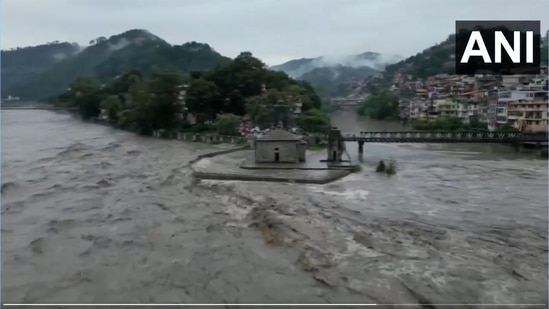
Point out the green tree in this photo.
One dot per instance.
(141, 117)
(112, 106)
(314, 121)
(243, 78)
(123, 83)
(295, 90)
(85, 93)
(258, 111)
(227, 124)
(126, 120)
(146, 103)
(506, 129)
(442, 124)
(202, 97)
(327, 107)
(270, 109)
(382, 106)
(165, 107)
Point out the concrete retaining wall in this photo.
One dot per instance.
(242, 177)
(217, 153)
(297, 168)
(191, 137)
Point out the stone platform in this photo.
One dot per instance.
(241, 166)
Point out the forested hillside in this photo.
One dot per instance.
(437, 59)
(106, 58)
(20, 65)
(144, 104)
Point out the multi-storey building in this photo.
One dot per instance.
(467, 108)
(510, 81)
(527, 110)
(447, 107)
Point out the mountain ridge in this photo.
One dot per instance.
(44, 70)
(106, 58)
(20, 64)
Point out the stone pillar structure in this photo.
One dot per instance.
(336, 145)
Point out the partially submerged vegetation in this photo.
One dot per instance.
(380, 167)
(389, 169)
(356, 168)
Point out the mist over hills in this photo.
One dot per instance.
(330, 75)
(104, 59)
(44, 71)
(298, 67)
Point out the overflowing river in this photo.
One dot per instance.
(95, 215)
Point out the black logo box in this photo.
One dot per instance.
(488, 28)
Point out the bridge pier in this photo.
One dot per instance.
(360, 147)
(336, 145)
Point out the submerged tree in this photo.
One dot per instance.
(380, 167)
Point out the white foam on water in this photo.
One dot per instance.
(351, 194)
(203, 163)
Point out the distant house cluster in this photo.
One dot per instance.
(520, 101)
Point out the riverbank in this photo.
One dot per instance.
(209, 138)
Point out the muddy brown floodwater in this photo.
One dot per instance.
(95, 215)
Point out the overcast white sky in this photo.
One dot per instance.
(273, 30)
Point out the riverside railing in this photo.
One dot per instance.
(203, 138)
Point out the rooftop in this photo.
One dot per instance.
(279, 135)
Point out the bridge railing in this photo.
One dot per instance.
(446, 136)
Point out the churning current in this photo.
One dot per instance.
(95, 215)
